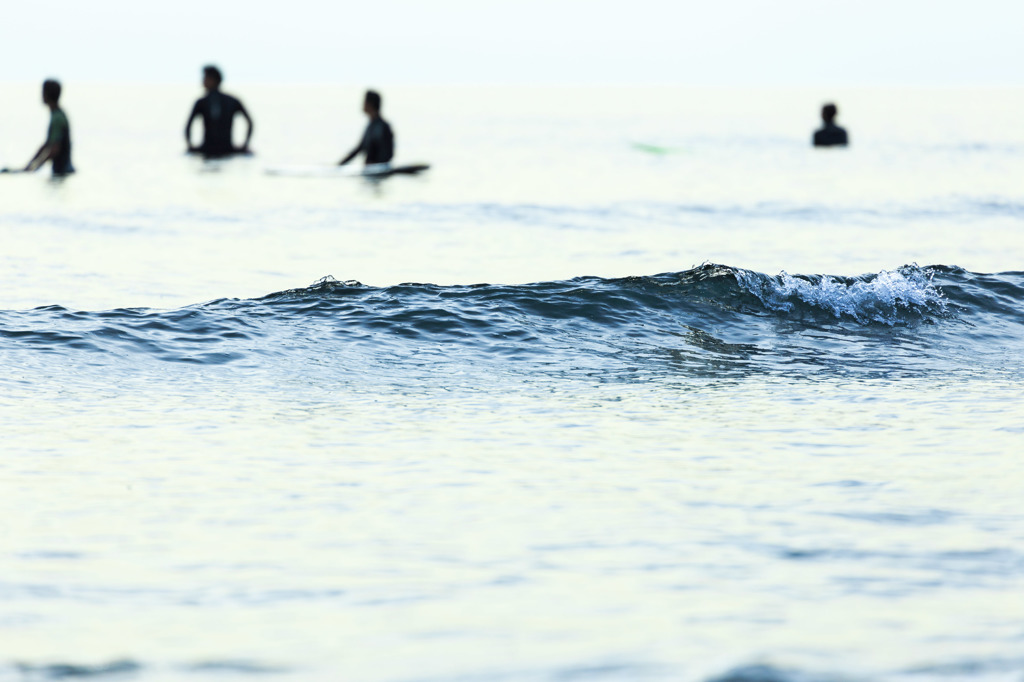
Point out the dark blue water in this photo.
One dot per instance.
(710, 320)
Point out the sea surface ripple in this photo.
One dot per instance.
(712, 319)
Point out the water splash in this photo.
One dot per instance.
(890, 297)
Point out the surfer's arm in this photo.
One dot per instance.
(248, 128)
(54, 142)
(188, 128)
(45, 153)
(352, 154)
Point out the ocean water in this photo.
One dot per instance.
(631, 385)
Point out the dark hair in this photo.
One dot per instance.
(51, 90)
(373, 99)
(213, 72)
(829, 111)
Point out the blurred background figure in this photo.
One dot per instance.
(830, 135)
(378, 142)
(217, 110)
(57, 147)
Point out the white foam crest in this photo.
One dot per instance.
(883, 298)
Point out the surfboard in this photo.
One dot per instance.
(378, 170)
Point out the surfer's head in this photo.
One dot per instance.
(828, 112)
(371, 103)
(51, 91)
(211, 77)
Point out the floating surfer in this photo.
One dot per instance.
(218, 110)
(378, 142)
(830, 135)
(57, 148)
(377, 145)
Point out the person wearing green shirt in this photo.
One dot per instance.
(57, 147)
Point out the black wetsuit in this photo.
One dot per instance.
(830, 135)
(60, 134)
(378, 142)
(218, 111)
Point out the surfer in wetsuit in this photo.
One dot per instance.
(57, 147)
(830, 135)
(217, 110)
(378, 142)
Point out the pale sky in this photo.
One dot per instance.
(724, 42)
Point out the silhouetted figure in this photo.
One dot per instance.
(57, 147)
(830, 135)
(378, 142)
(218, 111)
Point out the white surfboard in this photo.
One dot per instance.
(377, 170)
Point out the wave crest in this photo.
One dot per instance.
(710, 319)
(890, 297)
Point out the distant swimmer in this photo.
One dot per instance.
(57, 147)
(830, 135)
(217, 110)
(378, 142)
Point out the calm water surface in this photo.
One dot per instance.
(633, 385)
